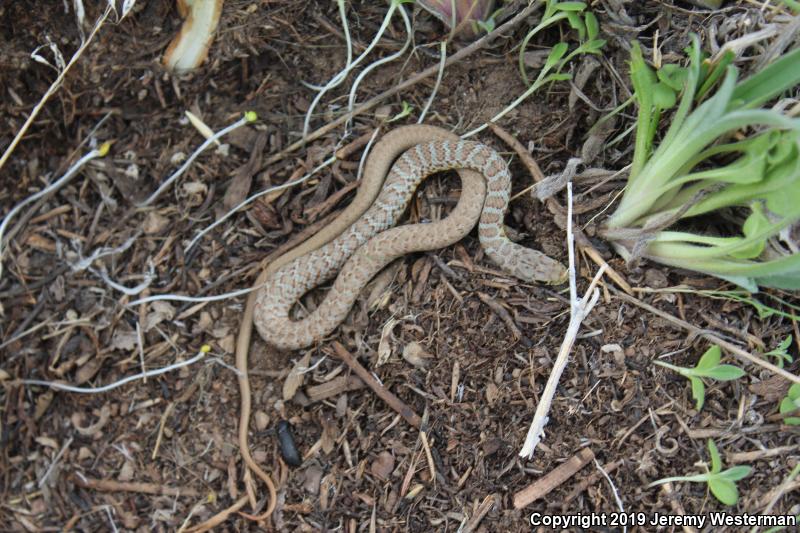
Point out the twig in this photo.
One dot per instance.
(483, 509)
(111, 485)
(556, 477)
(97, 390)
(742, 355)
(394, 402)
(588, 482)
(53, 464)
(579, 310)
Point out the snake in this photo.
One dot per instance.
(361, 240)
(370, 243)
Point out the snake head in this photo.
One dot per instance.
(535, 266)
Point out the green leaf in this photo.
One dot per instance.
(716, 461)
(724, 490)
(713, 76)
(592, 47)
(556, 53)
(794, 391)
(664, 97)
(672, 75)
(754, 224)
(698, 392)
(570, 6)
(592, 26)
(576, 23)
(769, 82)
(735, 473)
(724, 373)
(710, 358)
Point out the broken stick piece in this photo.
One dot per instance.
(542, 486)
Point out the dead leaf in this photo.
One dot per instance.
(491, 392)
(382, 466)
(88, 371)
(384, 347)
(154, 223)
(262, 420)
(415, 354)
(312, 475)
(47, 441)
(243, 177)
(126, 472)
(295, 377)
(161, 311)
(125, 340)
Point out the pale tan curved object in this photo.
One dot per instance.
(377, 168)
(189, 48)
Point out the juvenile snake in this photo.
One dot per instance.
(462, 218)
(371, 242)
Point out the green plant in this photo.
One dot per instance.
(780, 352)
(559, 56)
(721, 483)
(791, 403)
(584, 22)
(404, 112)
(698, 168)
(707, 367)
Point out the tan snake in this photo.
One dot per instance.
(371, 243)
(290, 275)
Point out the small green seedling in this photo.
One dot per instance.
(780, 353)
(722, 484)
(707, 367)
(582, 21)
(791, 403)
(407, 109)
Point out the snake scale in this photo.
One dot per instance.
(362, 248)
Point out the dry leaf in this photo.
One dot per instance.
(295, 377)
(415, 354)
(161, 311)
(491, 392)
(384, 348)
(262, 420)
(382, 466)
(154, 223)
(125, 340)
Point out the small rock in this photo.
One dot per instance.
(262, 420)
(313, 475)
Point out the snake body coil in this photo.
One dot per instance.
(371, 242)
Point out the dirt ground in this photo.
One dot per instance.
(469, 349)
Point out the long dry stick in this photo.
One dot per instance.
(428, 72)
